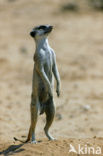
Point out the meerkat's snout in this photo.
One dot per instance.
(49, 29)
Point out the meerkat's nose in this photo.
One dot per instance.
(49, 29)
(51, 26)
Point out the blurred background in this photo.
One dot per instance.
(77, 39)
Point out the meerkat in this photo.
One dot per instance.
(45, 67)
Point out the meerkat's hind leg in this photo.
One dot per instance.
(50, 113)
(34, 116)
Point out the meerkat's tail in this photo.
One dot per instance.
(28, 138)
(23, 141)
(20, 140)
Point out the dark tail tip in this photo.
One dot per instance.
(15, 139)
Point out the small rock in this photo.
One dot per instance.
(91, 129)
(86, 107)
(58, 116)
(23, 50)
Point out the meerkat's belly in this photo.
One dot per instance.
(39, 83)
(42, 88)
(42, 93)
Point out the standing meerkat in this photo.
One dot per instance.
(42, 85)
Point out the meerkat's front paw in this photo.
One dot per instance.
(58, 92)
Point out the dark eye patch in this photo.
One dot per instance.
(42, 27)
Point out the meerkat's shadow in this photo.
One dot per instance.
(12, 149)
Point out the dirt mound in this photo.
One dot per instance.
(58, 147)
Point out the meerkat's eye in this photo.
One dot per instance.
(42, 27)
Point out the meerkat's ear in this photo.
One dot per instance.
(32, 33)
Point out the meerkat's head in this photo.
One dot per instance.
(41, 31)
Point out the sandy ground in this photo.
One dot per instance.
(78, 42)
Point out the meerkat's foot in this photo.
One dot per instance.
(52, 138)
(33, 142)
(48, 135)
